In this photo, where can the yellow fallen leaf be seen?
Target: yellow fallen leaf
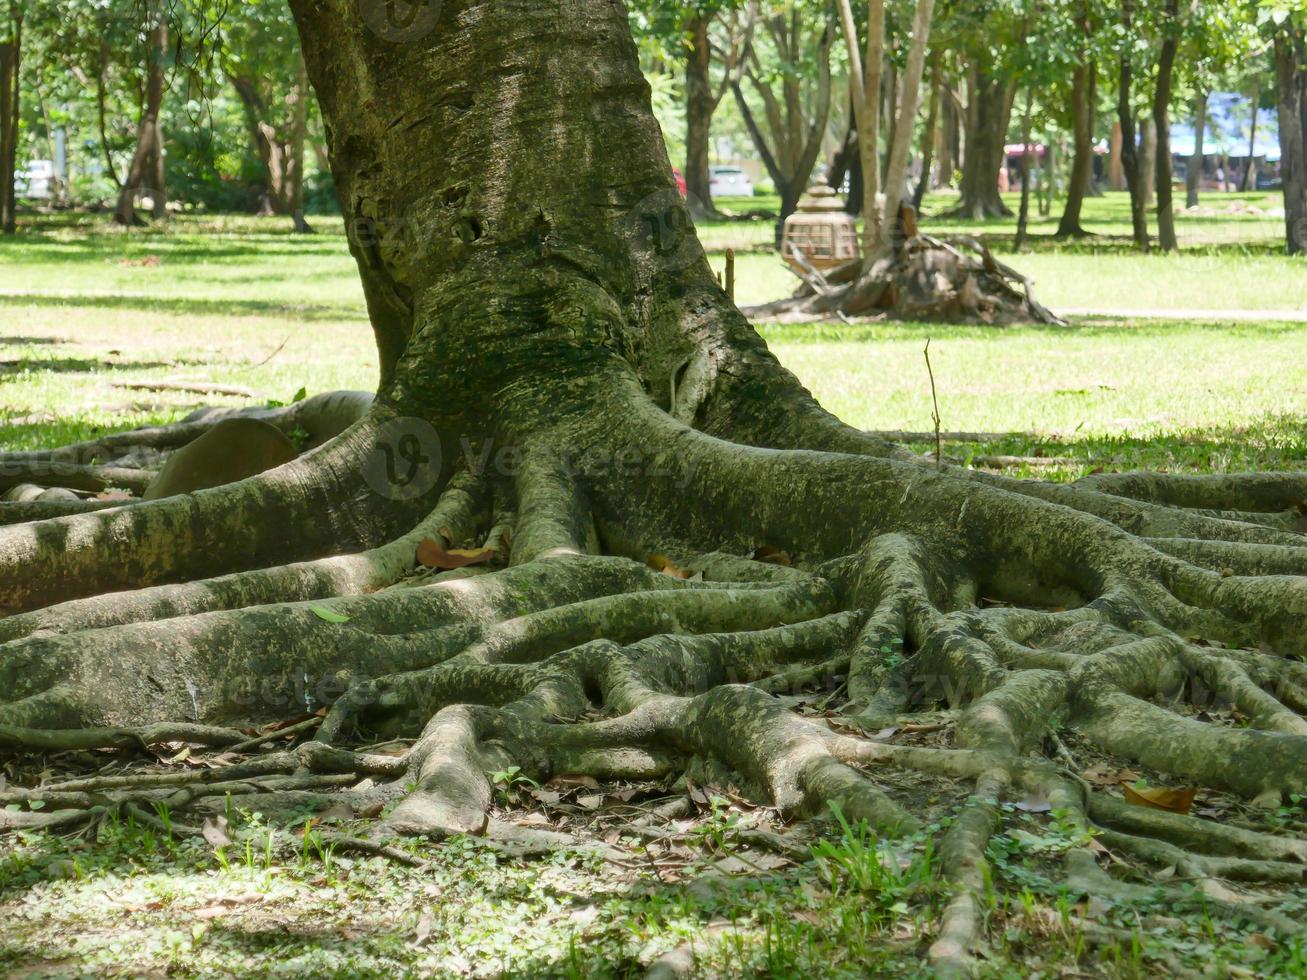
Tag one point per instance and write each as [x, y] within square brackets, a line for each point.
[1161, 798]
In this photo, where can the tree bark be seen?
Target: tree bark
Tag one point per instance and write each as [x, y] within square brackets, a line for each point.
[1291, 94]
[1115, 170]
[148, 133]
[1166, 239]
[1194, 177]
[989, 108]
[700, 105]
[929, 135]
[1027, 151]
[1083, 160]
[1249, 177]
[950, 137]
[10, 72]
[905, 122]
[1148, 157]
[1132, 160]
[866, 86]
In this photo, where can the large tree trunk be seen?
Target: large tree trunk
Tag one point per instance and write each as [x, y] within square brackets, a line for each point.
[989, 108]
[1082, 95]
[10, 65]
[564, 381]
[700, 105]
[148, 133]
[1291, 92]
[1166, 239]
[1132, 162]
[1194, 177]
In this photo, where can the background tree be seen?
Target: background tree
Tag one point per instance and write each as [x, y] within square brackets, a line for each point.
[147, 167]
[11, 45]
[1081, 21]
[1288, 25]
[261, 58]
[987, 37]
[1171, 27]
[1133, 50]
[788, 68]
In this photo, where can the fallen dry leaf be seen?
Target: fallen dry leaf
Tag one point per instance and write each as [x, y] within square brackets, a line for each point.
[433, 555]
[1160, 798]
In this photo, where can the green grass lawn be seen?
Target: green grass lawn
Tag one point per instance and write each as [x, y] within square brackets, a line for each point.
[239, 300]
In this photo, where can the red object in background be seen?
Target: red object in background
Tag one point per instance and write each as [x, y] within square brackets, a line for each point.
[680, 182]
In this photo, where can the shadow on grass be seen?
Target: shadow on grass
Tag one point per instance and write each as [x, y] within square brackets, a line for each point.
[193, 306]
[1275, 442]
[74, 365]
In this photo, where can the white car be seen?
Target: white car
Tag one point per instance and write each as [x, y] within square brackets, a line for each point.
[729, 182]
[37, 181]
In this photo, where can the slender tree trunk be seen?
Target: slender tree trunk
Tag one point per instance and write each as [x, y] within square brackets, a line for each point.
[1148, 158]
[699, 107]
[1291, 94]
[1027, 151]
[950, 137]
[1248, 180]
[1083, 159]
[1132, 160]
[930, 135]
[10, 73]
[1046, 185]
[1115, 171]
[847, 164]
[148, 132]
[1194, 177]
[101, 117]
[904, 124]
[866, 105]
[158, 171]
[1166, 239]
[989, 107]
[299, 127]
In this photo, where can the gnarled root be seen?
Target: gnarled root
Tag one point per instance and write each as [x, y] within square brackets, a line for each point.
[1150, 622]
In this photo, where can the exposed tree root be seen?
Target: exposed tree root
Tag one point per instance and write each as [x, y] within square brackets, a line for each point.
[574, 663]
[1120, 608]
